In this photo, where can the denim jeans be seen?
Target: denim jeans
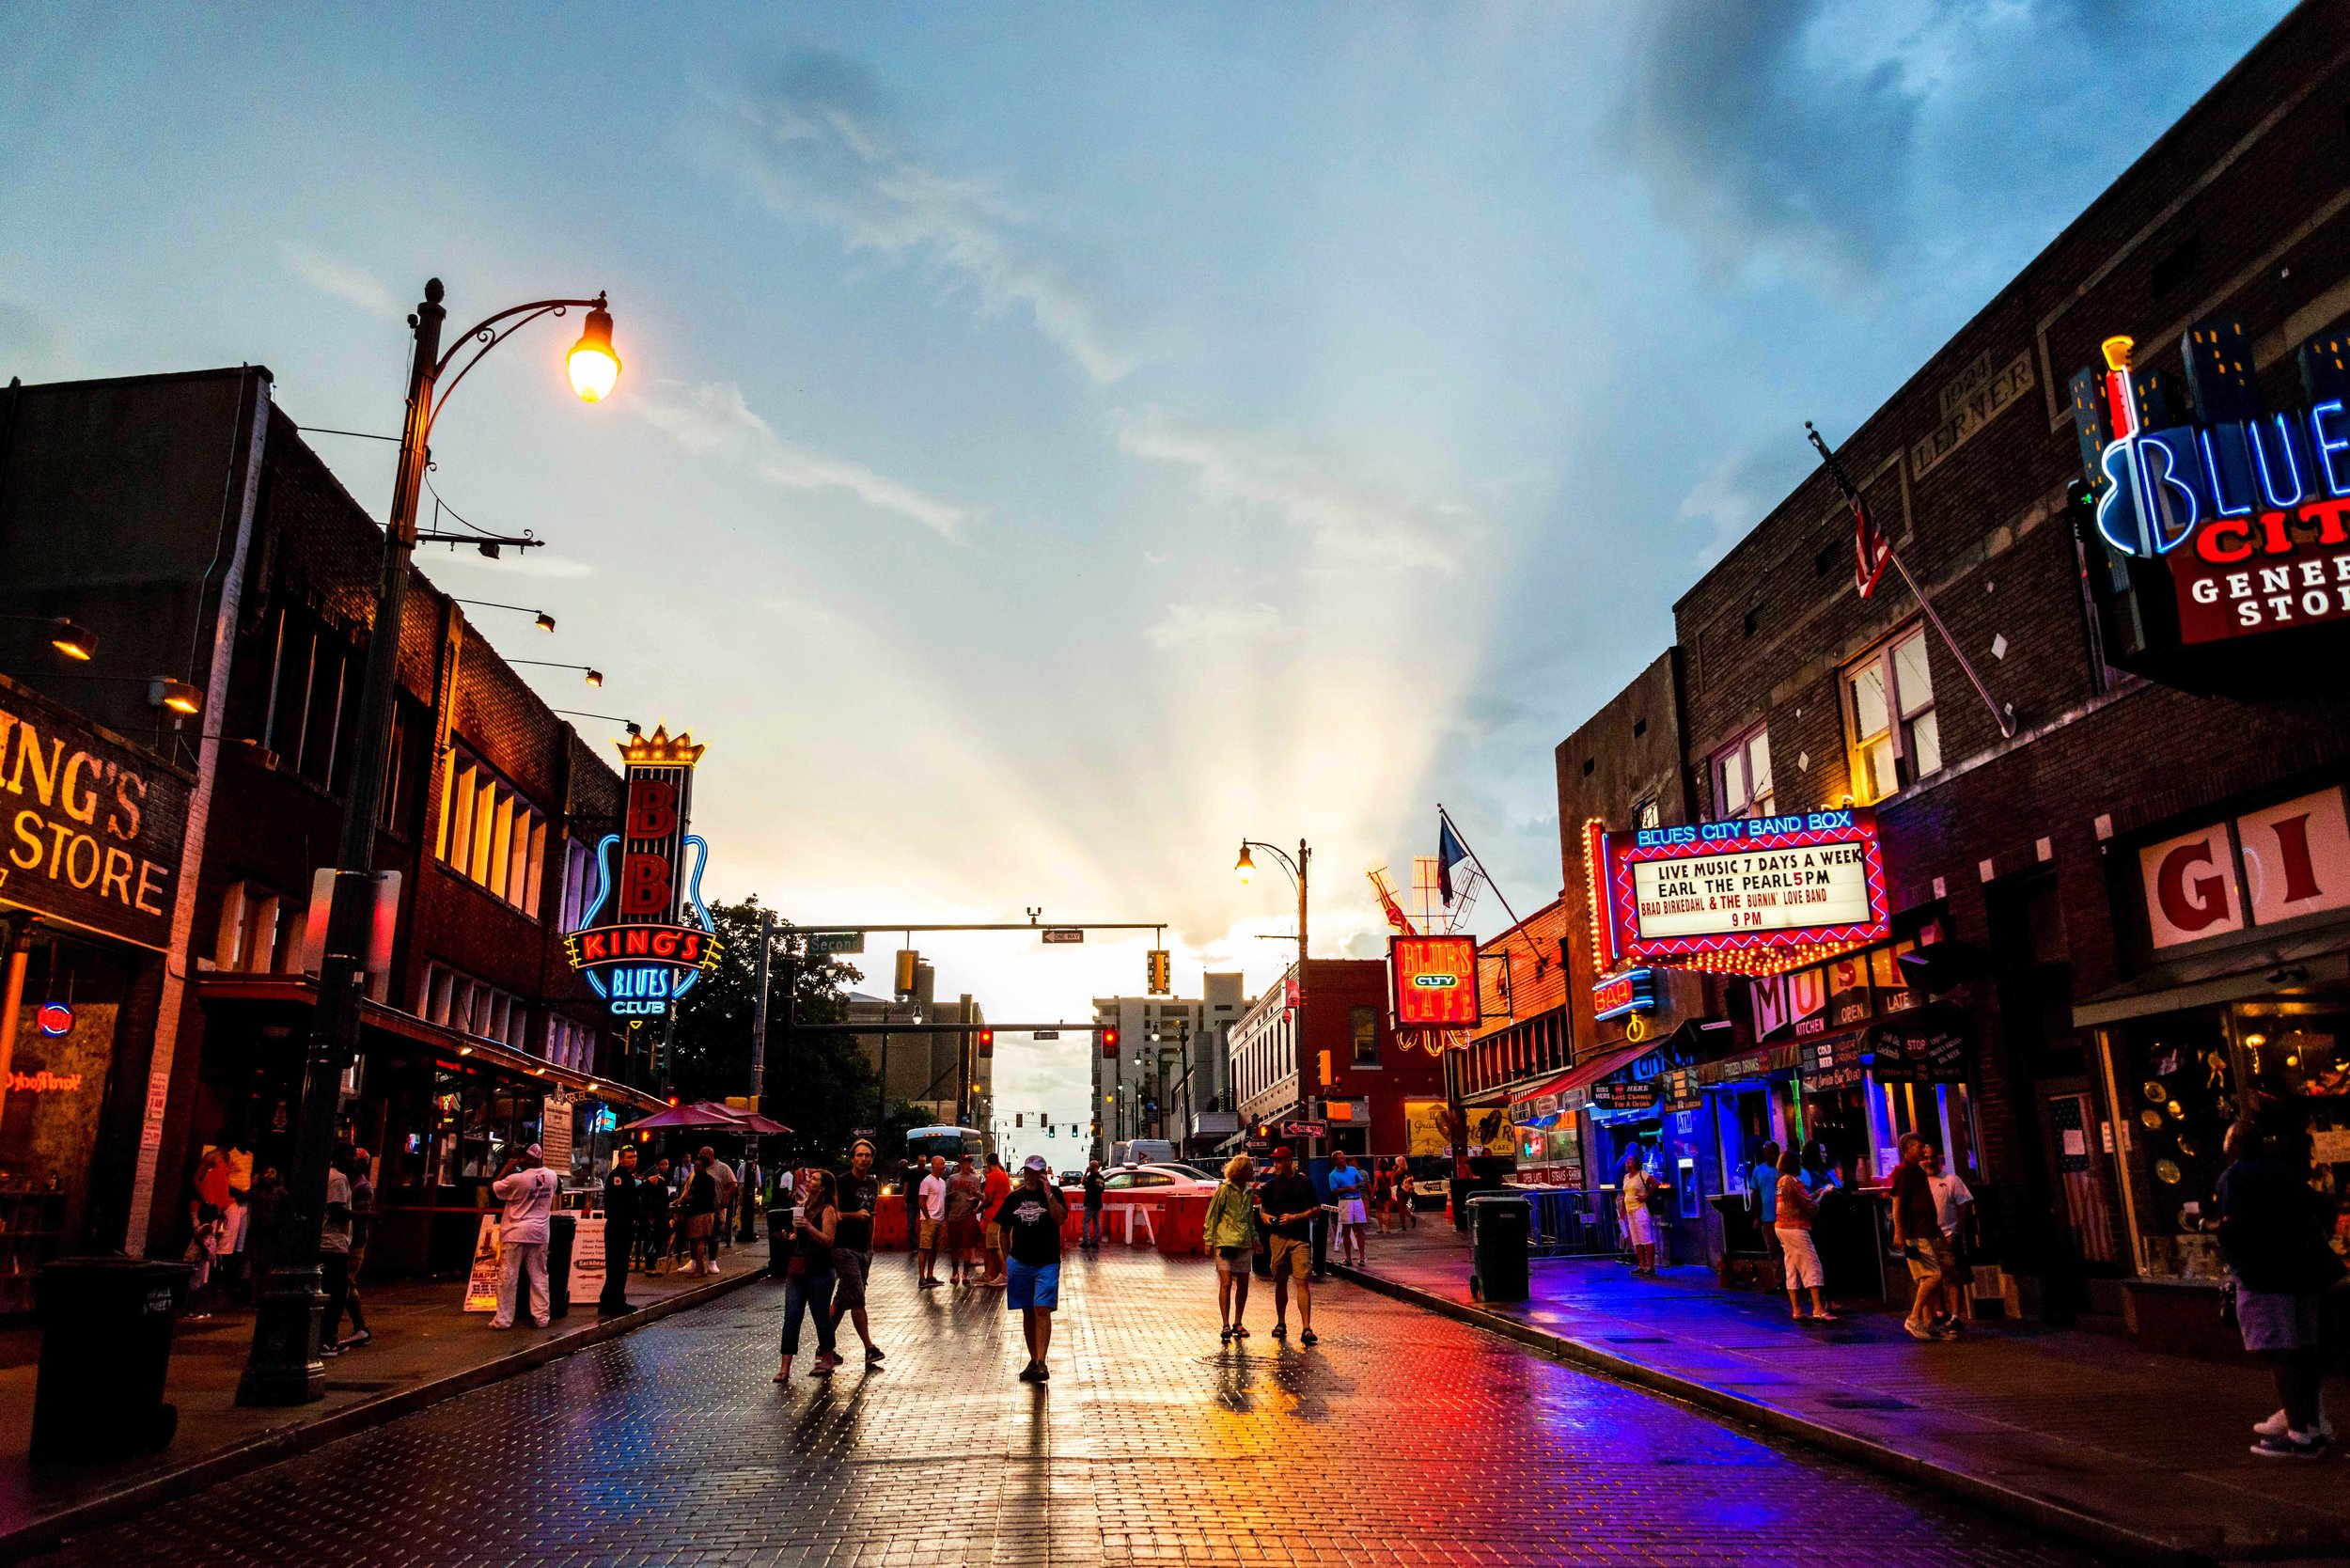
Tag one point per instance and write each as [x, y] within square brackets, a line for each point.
[807, 1295]
[1092, 1233]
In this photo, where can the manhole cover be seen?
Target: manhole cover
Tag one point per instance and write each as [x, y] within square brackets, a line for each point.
[1867, 1401]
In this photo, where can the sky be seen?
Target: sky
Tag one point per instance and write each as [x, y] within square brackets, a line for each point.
[1057, 440]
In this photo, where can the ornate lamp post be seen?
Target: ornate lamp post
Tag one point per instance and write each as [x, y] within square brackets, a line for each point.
[1245, 868]
[284, 1367]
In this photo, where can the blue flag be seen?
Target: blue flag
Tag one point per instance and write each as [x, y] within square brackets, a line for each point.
[1450, 851]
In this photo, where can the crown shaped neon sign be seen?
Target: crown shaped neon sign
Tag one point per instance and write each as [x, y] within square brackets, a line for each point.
[660, 749]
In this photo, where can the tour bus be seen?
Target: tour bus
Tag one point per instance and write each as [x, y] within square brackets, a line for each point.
[952, 1142]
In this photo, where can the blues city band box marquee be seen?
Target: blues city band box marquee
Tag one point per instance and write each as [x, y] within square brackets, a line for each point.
[647, 935]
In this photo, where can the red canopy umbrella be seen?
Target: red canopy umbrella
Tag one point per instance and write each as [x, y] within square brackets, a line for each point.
[710, 1115]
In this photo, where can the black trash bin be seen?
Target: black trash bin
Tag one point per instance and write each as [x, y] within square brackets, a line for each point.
[562, 1231]
[106, 1347]
[1500, 1227]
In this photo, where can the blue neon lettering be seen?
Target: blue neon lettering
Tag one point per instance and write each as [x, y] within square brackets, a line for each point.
[2257, 432]
[2121, 472]
[2337, 481]
[2169, 493]
[2232, 437]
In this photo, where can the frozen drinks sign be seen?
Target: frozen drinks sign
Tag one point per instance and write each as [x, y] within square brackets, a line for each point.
[1752, 896]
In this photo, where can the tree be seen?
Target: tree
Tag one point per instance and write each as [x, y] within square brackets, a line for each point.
[818, 1083]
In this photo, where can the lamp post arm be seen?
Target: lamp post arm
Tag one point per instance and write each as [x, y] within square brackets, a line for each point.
[489, 334]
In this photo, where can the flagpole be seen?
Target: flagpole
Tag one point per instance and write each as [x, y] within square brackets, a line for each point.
[2003, 713]
[1515, 924]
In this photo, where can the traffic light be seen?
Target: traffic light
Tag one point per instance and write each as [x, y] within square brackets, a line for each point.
[987, 1043]
[1109, 1042]
[1161, 972]
[907, 958]
[2080, 511]
[1019, 1119]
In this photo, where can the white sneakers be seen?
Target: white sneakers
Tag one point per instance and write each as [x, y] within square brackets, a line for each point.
[2277, 1426]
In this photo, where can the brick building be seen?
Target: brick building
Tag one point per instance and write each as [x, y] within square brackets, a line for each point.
[184, 521]
[1324, 1047]
[2120, 881]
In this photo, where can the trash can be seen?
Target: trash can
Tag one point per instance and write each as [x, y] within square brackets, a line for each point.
[106, 1347]
[1499, 1226]
[562, 1231]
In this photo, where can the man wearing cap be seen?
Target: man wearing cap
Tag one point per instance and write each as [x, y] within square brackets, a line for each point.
[1289, 1204]
[527, 1188]
[1031, 1218]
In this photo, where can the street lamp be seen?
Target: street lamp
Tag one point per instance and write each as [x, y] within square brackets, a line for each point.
[545, 621]
[1245, 867]
[69, 638]
[594, 676]
[284, 1367]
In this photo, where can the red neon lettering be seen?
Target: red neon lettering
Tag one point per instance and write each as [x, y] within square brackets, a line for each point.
[665, 944]
[2190, 906]
[2274, 539]
[651, 809]
[2327, 515]
[2293, 848]
[636, 944]
[645, 885]
[592, 946]
[2209, 545]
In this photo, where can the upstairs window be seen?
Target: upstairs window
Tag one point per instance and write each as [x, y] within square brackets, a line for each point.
[490, 834]
[1888, 705]
[1364, 1023]
[1742, 775]
[473, 1006]
[579, 883]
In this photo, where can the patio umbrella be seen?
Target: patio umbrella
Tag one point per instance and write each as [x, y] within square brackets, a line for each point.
[700, 1114]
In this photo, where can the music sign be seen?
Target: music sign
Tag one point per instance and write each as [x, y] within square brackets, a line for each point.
[1434, 979]
[1750, 897]
[648, 936]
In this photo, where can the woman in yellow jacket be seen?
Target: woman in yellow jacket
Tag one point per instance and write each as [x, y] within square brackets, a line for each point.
[1232, 1237]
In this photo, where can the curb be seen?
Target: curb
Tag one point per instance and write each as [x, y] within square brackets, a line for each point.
[2105, 1535]
[255, 1453]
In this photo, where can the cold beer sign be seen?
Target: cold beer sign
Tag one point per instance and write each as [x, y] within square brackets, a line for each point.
[1753, 897]
[648, 935]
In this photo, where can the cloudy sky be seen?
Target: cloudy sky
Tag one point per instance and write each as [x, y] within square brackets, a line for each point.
[1059, 440]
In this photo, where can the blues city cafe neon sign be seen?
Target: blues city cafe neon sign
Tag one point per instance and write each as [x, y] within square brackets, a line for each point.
[648, 935]
[2248, 507]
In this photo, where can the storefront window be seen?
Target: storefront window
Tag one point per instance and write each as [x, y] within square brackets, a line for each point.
[2300, 1055]
[56, 1086]
[2178, 1091]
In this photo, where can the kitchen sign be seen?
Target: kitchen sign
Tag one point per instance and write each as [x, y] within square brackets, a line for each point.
[90, 826]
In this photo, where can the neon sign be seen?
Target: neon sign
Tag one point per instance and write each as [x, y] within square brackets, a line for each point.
[54, 1019]
[1755, 897]
[1632, 991]
[2248, 508]
[648, 935]
[1434, 981]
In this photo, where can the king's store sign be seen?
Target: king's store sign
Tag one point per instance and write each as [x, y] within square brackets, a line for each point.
[2263, 867]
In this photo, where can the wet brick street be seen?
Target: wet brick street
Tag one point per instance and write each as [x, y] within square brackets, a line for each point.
[1402, 1438]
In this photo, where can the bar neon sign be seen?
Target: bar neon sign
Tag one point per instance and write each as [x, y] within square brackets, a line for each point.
[1632, 991]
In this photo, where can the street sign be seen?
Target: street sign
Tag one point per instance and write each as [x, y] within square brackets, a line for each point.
[1064, 933]
[860, 1131]
[1305, 1129]
[826, 943]
[1045, 1034]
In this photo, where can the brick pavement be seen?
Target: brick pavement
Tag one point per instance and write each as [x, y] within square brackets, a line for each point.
[2074, 1430]
[1402, 1438]
[425, 1348]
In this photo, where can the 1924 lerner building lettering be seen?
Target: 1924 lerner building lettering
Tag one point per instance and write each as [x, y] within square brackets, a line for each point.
[1170, 529]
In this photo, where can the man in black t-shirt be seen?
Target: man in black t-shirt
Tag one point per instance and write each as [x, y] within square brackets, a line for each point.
[1091, 1237]
[853, 1244]
[1289, 1204]
[1031, 1218]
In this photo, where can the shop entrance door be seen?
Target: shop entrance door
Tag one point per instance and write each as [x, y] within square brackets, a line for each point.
[2077, 1157]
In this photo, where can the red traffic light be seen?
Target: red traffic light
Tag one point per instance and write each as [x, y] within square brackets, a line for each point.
[987, 1043]
[1109, 1042]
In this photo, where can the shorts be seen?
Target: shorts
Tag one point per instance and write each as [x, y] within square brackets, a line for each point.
[848, 1278]
[697, 1227]
[1351, 1212]
[2272, 1320]
[1639, 1227]
[963, 1235]
[1233, 1254]
[928, 1233]
[1933, 1260]
[1295, 1256]
[994, 1238]
[1801, 1258]
[1031, 1285]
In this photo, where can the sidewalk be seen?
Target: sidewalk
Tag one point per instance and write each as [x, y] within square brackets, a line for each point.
[425, 1350]
[2141, 1454]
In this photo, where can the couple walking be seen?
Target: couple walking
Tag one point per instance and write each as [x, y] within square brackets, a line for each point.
[1283, 1210]
[830, 1259]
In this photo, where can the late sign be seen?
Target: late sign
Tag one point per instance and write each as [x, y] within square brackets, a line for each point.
[1768, 887]
[1435, 980]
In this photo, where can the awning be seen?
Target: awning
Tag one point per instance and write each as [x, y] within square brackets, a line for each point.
[475, 1050]
[1601, 1066]
[2280, 966]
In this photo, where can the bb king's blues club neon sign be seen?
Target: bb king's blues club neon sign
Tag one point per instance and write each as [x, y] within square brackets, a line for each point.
[2249, 508]
[648, 936]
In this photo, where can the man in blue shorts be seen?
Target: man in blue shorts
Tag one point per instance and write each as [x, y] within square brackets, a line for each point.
[1031, 1216]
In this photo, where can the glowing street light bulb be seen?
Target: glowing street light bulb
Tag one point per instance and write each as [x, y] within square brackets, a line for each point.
[1247, 866]
[593, 365]
[74, 641]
